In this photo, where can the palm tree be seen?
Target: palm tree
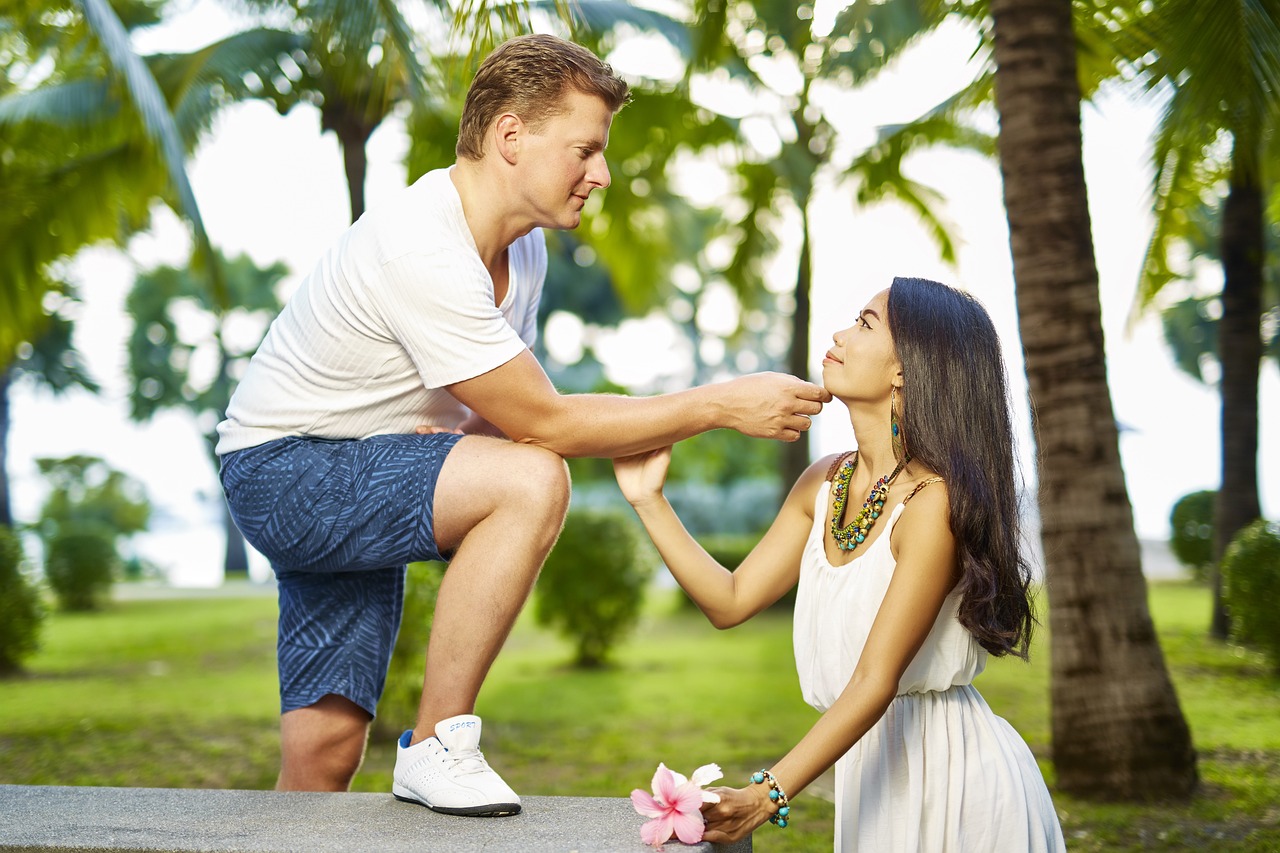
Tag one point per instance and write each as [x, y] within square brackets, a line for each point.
[360, 62]
[168, 368]
[743, 39]
[85, 155]
[1118, 730]
[1220, 63]
[51, 361]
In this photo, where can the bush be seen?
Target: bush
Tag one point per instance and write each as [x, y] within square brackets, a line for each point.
[21, 611]
[81, 566]
[1191, 523]
[398, 707]
[1251, 587]
[594, 580]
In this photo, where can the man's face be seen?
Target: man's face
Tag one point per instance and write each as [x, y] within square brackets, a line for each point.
[563, 161]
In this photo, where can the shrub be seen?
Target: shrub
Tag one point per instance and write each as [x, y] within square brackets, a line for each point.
[399, 704]
[1191, 540]
[21, 611]
[1251, 587]
[81, 566]
[593, 583]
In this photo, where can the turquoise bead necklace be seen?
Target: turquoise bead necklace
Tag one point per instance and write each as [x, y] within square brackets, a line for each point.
[855, 533]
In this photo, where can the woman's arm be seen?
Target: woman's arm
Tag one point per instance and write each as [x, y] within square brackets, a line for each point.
[925, 574]
[727, 598]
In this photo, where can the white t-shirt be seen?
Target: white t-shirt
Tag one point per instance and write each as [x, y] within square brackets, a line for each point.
[398, 308]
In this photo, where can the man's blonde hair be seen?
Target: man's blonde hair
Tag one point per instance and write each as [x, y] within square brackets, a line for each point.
[529, 76]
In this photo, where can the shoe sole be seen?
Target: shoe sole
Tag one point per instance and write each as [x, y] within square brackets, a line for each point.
[490, 810]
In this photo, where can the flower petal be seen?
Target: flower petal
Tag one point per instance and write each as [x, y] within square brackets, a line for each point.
[687, 799]
[664, 786]
[657, 831]
[689, 827]
[706, 774]
[710, 797]
[647, 805]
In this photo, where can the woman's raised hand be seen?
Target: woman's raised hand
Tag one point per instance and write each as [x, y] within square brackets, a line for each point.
[640, 477]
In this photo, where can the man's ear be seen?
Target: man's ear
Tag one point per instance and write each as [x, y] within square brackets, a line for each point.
[507, 131]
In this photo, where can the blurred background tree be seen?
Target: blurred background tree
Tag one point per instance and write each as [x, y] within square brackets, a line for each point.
[90, 511]
[186, 352]
[1219, 67]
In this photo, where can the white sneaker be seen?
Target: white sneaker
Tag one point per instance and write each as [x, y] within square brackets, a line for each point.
[448, 774]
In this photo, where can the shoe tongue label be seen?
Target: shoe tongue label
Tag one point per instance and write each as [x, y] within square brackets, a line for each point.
[461, 732]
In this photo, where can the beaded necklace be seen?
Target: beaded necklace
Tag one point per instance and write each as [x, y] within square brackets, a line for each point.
[851, 536]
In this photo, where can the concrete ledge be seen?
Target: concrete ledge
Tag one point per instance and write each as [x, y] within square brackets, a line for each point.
[174, 820]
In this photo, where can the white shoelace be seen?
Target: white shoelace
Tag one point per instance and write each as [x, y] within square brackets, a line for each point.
[465, 761]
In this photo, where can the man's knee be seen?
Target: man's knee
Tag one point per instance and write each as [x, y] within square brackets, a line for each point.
[545, 481]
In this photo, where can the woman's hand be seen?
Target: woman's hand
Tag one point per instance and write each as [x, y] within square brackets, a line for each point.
[640, 477]
[737, 815]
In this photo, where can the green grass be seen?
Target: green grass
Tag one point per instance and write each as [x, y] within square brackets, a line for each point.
[181, 693]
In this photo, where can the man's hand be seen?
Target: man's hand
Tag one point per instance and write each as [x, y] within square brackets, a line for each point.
[472, 425]
[773, 405]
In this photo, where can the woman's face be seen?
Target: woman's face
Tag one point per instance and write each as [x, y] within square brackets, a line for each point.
[863, 365]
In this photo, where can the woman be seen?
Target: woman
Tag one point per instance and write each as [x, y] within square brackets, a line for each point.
[901, 596]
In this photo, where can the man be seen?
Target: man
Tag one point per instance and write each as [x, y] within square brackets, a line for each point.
[394, 413]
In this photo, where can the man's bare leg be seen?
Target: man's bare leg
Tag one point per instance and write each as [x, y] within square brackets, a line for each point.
[500, 506]
[322, 745]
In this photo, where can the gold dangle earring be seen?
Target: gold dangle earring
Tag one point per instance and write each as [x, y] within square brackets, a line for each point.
[899, 437]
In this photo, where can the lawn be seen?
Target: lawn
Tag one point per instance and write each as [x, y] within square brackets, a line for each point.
[181, 693]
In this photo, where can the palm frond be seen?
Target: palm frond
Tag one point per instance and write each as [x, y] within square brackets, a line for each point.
[159, 122]
[75, 104]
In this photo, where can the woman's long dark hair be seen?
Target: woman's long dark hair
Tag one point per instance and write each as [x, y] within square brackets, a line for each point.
[955, 416]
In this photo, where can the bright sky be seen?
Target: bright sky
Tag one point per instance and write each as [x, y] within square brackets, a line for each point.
[272, 187]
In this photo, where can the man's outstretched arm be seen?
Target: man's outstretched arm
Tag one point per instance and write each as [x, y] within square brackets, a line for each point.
[520, 400]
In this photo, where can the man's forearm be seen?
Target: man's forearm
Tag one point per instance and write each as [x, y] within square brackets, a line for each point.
[605, 425]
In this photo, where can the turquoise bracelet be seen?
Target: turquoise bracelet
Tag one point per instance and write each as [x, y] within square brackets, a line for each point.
[776, 795]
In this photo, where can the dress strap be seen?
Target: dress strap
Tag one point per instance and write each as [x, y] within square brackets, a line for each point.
[920, 486]
[835, 466]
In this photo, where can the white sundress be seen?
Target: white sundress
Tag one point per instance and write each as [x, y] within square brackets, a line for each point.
[939, 772]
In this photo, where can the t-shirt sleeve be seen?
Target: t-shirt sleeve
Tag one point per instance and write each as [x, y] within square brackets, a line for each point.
[440, 308]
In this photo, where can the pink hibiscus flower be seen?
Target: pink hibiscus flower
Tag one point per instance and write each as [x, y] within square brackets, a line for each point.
[676, 805]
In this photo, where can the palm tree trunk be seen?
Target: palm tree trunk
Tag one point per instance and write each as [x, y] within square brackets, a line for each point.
[1240, 354]
[355, 165]
[1118, 731]
[795, 456]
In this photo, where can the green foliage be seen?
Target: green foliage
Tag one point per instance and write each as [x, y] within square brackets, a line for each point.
[1251, 587]
[80, 566]
[21, 611]
[717, 691]
[161, 355]
[399, 704]
[1191, 523]
[592, 585]
[87, 492]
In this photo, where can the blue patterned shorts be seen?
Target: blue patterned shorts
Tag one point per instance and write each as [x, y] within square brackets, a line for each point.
[338, 519]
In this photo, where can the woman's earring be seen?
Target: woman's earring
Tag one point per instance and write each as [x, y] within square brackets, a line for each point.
[899, 437]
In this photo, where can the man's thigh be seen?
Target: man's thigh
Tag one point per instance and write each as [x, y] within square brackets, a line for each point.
[330, 506]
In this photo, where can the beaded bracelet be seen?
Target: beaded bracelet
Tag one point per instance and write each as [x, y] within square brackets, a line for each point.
[776, 794]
